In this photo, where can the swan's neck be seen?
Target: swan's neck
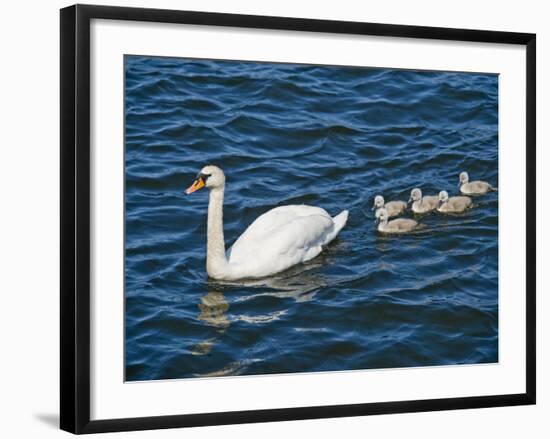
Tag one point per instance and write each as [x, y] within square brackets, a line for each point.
[382, 225]
[216, 263]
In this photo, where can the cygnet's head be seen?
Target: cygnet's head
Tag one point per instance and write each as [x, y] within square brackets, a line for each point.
[382, 215]
[416, 194]
[210, 177]
[443, 197]
[463, 178]
[378, 202]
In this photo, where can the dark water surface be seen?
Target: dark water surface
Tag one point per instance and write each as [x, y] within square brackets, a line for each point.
[332, 137]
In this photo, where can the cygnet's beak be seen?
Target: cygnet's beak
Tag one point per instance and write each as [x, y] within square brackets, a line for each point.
[197, 184]
[410, 201]
[373, 207]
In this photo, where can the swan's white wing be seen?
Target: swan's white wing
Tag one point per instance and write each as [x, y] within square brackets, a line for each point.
[280, 238]
[273, 220]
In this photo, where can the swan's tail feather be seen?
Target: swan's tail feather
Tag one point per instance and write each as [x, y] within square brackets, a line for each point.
[340, 221]
[492, 188]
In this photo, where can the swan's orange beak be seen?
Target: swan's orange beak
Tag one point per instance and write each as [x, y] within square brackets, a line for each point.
[197, 184]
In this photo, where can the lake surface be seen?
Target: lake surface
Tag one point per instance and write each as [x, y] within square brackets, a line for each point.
[332, 137]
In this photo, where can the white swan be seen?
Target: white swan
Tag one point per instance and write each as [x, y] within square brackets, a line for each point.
[394, 208]
[468, 187]
[422, 204]
[399, 225]
[275, 241]
[453, 204]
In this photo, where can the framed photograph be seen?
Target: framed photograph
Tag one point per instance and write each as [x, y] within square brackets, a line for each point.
[268, 218]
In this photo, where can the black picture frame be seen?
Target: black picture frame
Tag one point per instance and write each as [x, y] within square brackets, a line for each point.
[75, 217]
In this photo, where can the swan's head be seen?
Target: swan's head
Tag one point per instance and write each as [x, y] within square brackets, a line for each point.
[378, 202]
[382, 215]
[416, 194]
[443, 197]
[210, 176]
[463, 178]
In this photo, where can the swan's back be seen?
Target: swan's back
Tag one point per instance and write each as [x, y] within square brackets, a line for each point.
[284, 236]
[456, 204]
[277, 217]
[395, 208]
[426, 204]
[476, 188]
[399, 225]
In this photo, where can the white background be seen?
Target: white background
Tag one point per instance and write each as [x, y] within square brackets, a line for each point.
[30, 205]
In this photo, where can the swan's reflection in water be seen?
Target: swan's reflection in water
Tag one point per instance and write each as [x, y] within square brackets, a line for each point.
[212, 308]
[300, 283]
[213, 312]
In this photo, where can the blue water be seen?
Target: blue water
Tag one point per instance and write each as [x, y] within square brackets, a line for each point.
[332, 137]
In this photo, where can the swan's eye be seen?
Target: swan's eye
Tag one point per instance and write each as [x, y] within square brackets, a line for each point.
[203, 177]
